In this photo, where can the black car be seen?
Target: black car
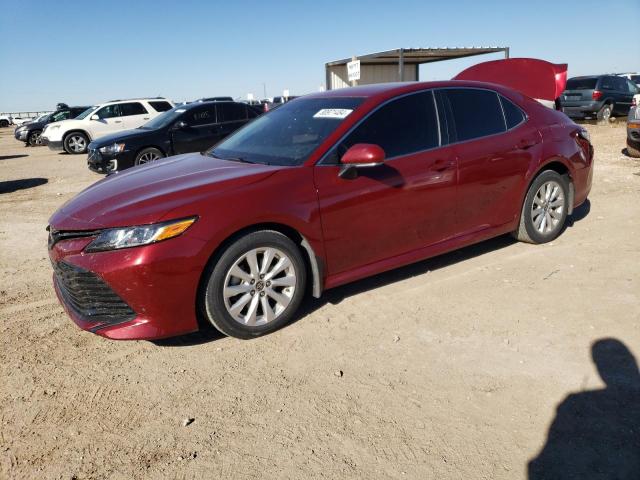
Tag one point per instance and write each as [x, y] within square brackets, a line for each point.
[30, 132]
[604, 96]
[187, 128]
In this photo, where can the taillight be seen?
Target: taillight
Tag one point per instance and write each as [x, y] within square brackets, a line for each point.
[633, 102]
[596, 95]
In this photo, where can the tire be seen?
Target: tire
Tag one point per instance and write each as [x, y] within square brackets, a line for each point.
[546, 222]
[4, 123]
[605, 113]
[228, 301]
[76, 143]
[148, 155]
[633, 150]
[34, 138]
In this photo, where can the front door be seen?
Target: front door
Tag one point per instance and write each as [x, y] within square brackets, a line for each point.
[403, 205]
[109, 121]
[200, 133]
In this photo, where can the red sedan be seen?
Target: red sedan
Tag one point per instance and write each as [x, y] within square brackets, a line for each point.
[325, 190]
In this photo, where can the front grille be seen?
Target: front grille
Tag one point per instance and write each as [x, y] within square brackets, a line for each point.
[55, 236]
[635, 135]
[89, 296]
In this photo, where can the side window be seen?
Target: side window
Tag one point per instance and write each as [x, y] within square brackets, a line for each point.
[60, 116]
[403, 126]
[201, 116]
[161, 106]
[231, 112]
[606, 83]
[512, 113]
[476, 113]
[133, 108]
[110, 111]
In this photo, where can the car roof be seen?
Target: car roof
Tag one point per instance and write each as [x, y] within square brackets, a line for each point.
[385, 90]
[142, 99]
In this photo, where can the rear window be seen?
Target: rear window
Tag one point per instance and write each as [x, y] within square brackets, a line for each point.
[133, 108]
[635, 78]
[582, 83]
[231, 112]
[512, 113]
[161, 106]
[476, 113]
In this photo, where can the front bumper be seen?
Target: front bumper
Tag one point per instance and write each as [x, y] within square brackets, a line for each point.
[158, 283]
[105, 163]
[53, 145]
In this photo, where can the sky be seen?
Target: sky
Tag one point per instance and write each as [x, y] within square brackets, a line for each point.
[86, 52]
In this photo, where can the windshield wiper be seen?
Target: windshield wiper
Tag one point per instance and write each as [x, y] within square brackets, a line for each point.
[231, 159]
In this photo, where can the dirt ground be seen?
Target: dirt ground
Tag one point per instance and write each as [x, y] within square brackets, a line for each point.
[452, 368]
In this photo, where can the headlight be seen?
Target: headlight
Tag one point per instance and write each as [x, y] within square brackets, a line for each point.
[584, 133]
[112, 149]
[115, 238]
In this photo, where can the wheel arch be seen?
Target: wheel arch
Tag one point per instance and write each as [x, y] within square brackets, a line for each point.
[157, 147]
[76, 130]
[314, 264]
[559, 166]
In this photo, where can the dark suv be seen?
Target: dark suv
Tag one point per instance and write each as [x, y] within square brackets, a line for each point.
[604, 96]
[30, 132]
[184, 129]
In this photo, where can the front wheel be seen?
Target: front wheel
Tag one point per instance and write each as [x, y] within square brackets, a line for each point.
[76, 143]
[148, 155]
[545, 208]
[256, 285]
[34, 138]
[4, 123]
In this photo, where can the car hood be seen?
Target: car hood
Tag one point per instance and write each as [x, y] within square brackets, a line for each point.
[32, 125]
[69, 124]
[147, 193]
[120, 137]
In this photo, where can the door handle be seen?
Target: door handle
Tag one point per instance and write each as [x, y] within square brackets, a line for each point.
[145, 118]
[526, 144]
[117, 121]
[442, 165]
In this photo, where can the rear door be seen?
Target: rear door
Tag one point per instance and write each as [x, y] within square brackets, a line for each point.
[403, 205]
[231, 116]
[494, 144]
[134, 115]
[200, 133]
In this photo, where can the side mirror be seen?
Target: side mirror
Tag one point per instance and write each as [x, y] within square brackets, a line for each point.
[94, 117]
[180, 125]
[361, 155]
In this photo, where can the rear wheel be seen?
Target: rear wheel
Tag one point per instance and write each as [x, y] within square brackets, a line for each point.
[545, 208]
[34, 138]
[256, 285]
[605, 112]
[4, 123]
[148, 155]
[76, 142]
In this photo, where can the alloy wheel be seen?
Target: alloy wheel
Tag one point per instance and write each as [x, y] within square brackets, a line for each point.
[148, 157]
[35, 139]
[548, 207]
[259, 286]
[77, 143]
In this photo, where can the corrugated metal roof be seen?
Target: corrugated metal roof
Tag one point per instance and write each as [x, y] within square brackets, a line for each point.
[420, 55]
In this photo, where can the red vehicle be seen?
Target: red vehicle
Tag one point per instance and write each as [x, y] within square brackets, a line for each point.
[325, 190]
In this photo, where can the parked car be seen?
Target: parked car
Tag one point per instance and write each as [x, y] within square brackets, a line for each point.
[30, 132]
[21, 120]
[634, 77]
[602, 95]
[73, 136]
[633, 132]
[5, 121]
[322, 191]
[215, 99]
[189, 128]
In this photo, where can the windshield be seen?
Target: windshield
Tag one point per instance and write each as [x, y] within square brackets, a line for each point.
[86, 113]
[288, 135]
[582, 83]
[164, 119]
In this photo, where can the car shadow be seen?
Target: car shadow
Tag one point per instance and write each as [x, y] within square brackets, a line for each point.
[338, 294]
[596, 433]
[9, 157]
[14, 185]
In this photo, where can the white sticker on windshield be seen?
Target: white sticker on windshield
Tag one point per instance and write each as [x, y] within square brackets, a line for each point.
[333, 113]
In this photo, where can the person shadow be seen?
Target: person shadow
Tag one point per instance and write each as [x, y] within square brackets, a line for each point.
[596, 434]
